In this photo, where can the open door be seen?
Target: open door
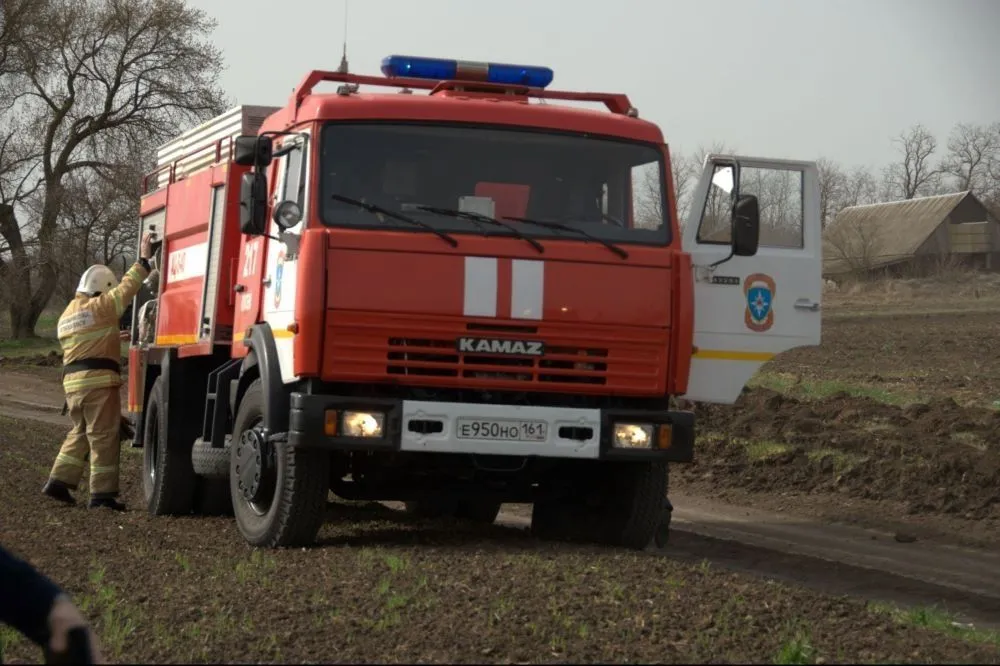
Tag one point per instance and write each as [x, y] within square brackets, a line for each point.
[752, 303]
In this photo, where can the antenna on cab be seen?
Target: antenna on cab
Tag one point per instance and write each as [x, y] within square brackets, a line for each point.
[343, 58]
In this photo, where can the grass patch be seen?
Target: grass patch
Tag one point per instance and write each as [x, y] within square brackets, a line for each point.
[817, 390]
[28, 347]
[9, 637]
[841, 461]
[118, 620]
[796, 650]
[764, 450]
[937, 620]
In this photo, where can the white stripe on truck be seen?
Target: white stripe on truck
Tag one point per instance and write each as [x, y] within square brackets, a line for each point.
[480, 287]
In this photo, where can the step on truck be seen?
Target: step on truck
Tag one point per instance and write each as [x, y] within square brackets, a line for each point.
[453, 287]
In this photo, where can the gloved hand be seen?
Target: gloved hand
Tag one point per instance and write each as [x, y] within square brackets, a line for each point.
[72, 641]
[125, 430]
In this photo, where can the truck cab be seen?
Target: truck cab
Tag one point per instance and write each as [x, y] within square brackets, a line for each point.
[454, 295]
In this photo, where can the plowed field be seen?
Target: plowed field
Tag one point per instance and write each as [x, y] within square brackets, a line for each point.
[380, 588]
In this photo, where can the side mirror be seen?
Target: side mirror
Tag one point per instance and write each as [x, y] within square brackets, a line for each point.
[287, 214]
[746, 226]
[253, 204]
[255, 151]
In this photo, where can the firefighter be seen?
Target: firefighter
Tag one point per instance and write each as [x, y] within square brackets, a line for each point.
[88, 334]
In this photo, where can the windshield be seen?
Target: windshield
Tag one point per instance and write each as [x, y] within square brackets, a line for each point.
[609, 189]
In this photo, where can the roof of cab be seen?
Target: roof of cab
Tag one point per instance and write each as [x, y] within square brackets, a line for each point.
[456, 107]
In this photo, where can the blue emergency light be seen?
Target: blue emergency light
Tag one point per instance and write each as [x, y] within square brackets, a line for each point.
[460, 70]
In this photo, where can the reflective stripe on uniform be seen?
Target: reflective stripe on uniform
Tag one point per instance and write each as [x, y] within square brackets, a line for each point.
[69, 460]
[97, 334]
[105, 380]
[103, 469]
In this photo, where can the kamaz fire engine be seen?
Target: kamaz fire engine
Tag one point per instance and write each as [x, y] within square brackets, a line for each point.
[452, 287]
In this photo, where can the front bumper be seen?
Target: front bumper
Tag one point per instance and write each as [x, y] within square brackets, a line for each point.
[489, 429]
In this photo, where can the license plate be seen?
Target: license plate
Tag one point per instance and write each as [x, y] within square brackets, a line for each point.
[503, 430]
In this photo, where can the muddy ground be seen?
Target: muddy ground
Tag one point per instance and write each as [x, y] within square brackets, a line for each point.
[382, 588]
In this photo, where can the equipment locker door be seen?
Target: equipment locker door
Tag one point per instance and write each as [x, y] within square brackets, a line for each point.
[749, 309]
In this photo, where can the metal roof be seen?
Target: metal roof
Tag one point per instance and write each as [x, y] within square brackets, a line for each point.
[876, 235]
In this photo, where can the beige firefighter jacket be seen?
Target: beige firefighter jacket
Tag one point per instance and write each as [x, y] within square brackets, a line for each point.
[88, 329]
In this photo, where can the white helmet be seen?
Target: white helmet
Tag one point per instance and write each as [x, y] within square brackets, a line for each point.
[96, 280]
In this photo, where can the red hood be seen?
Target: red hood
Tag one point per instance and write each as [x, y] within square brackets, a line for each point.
[541, 289]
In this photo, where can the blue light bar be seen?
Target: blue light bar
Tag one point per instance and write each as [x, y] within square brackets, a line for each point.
[460, 70]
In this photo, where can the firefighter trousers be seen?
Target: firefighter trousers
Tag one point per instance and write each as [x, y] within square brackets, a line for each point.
[96, 416]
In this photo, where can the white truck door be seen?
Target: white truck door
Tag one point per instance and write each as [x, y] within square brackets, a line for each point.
[747, 309]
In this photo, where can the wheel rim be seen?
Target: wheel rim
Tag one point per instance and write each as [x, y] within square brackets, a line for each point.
[154, 445]
[256, 470]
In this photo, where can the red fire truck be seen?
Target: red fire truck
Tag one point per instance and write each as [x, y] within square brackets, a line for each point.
[461, 290]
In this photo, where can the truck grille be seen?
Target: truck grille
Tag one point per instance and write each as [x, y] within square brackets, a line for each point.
[430, 357]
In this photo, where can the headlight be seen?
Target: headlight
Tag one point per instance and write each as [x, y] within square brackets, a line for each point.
[633, 436]
[363, 424]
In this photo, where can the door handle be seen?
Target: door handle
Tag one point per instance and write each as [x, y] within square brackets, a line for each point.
[806, 304]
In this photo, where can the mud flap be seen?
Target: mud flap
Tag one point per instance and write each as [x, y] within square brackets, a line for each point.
[136, 393]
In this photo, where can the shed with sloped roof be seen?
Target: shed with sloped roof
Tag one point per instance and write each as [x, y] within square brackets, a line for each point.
[912, 236]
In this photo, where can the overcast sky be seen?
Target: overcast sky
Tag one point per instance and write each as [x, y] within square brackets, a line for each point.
[778, 78]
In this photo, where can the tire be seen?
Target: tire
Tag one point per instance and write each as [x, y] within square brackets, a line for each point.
[168, 479]
[636, 511]
[295, 482]
[483, 512]
[628, 515]
[210, 462]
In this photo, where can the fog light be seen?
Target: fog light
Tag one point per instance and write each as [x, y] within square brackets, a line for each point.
[330, 423]
[664, 437]
[633, 436]
[363, 424]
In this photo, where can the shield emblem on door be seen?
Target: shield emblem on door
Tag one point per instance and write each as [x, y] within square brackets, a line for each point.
[759, 290]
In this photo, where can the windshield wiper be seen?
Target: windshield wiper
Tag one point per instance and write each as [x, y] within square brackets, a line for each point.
[565, 227]
[372, 208]
[478, 217]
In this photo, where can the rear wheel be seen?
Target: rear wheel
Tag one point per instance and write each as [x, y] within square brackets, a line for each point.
[168, 478]
[278, 493]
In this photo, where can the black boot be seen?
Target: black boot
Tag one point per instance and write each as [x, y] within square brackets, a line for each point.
[58, 490]
[105, 501]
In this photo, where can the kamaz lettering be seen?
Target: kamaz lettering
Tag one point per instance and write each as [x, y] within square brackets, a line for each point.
[501, 346]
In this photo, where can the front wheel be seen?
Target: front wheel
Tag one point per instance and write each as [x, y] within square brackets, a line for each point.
[278, 493]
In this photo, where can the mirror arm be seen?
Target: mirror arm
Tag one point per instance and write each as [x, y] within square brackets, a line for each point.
[732, 253]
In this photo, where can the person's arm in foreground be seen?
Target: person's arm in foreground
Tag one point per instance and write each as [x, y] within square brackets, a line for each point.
[38, 608]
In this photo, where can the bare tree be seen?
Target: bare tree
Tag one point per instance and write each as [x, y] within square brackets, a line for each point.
[96, 78]
[860, 188]
[915, 174]
[832, 184]
[971, 151]
[685, 169]
[853, 244]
